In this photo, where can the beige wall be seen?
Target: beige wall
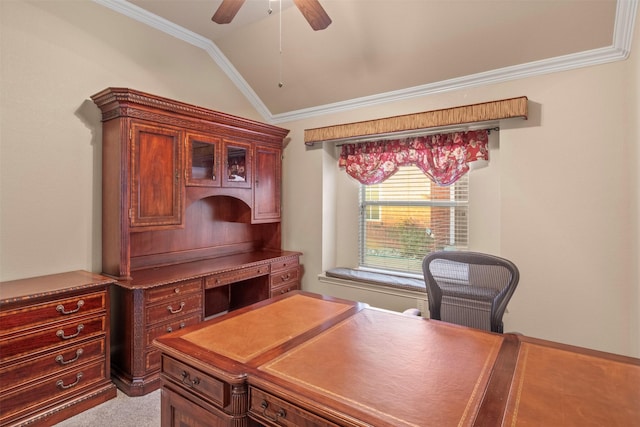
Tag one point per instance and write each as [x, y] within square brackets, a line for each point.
[560, 197]
[561, 202]
[55, 55]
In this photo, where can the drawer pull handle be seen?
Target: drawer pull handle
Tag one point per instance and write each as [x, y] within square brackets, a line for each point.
[61, 334]
[280, 414]
[60, 358]
[172, 311]
[286, 277]
[60, 308]
[60, 384]
[176, 291]
[186, 380]
[170, 329]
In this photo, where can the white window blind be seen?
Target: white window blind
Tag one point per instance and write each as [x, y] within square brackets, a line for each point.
[407, 216]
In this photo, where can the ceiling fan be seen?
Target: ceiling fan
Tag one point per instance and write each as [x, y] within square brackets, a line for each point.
[311, 10]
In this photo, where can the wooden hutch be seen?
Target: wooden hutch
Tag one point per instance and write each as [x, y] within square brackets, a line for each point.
[191, 221]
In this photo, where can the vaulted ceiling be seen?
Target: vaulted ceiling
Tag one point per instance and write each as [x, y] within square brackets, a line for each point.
[377, 50]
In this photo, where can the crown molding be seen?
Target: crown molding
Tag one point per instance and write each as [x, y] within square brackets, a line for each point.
[181, 33]
[619, 50]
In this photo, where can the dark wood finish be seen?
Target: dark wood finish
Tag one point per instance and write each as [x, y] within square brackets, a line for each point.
[203, 161]
[156, 180]
[180, 411]
[367, 366]
[54, 336]
[160, 300]
[144, 140]
[187, 232]
[285, 277]
[266, 194]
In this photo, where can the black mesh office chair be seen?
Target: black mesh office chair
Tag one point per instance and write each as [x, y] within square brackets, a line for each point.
[469, 288]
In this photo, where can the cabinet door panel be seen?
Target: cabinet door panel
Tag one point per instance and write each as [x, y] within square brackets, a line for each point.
[266, 188]
[237, 158]
[203, 161]
[156, 185]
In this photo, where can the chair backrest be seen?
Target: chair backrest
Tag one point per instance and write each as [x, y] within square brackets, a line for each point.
[469, 288]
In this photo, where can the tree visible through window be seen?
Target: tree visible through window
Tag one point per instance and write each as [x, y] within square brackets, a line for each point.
[407, 216]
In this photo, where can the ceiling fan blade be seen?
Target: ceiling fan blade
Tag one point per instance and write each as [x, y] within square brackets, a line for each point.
[226, 11]
[313, 13]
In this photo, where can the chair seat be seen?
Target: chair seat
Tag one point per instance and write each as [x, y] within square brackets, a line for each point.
[469, 292]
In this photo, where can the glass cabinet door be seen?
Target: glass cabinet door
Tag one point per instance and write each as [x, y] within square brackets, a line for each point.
[203, 164]
[238, 165]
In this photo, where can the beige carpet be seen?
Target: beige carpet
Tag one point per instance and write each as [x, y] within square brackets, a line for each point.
[122, 411]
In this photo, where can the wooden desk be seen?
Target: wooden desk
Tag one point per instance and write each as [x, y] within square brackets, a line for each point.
[352, 365]
[164, 299]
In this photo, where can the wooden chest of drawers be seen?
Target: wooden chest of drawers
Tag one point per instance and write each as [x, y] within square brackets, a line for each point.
[145, 315]
[285, 276]
[54, 347]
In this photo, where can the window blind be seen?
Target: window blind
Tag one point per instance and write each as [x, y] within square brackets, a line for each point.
[407, 216]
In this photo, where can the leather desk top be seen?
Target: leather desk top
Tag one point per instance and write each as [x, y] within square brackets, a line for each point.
[361, 366]
[249, 334]
[554, 386]
[393, 369]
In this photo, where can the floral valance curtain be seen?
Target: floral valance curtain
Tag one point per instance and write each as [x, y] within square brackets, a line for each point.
[443, 158]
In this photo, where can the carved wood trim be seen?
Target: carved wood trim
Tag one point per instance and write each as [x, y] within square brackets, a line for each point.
[124, 102]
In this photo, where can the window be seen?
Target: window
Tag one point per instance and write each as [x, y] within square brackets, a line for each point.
[407, 216]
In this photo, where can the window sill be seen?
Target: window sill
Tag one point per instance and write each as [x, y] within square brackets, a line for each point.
[371, 280]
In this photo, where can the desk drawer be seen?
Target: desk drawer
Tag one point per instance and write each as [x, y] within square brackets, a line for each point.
[174, 290]
[195, 381]
[284, 264]
[236, 276]
[60, 335]
[61, 310]
[285, 277]
[51, 390]
[166, 328]
[291, 286]
[17, 374]
[272, 411]
[174, 308]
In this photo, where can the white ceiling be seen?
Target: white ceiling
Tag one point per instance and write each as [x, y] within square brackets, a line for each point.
[377, 50]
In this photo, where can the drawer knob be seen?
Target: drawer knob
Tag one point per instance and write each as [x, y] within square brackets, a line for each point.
[170, 328]
[280, 414]
[178, 310]
[61, 334]
[176, 291]
[60, 358]
[61, 385]
[285, 277]
[186, 380]
[60, 308]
